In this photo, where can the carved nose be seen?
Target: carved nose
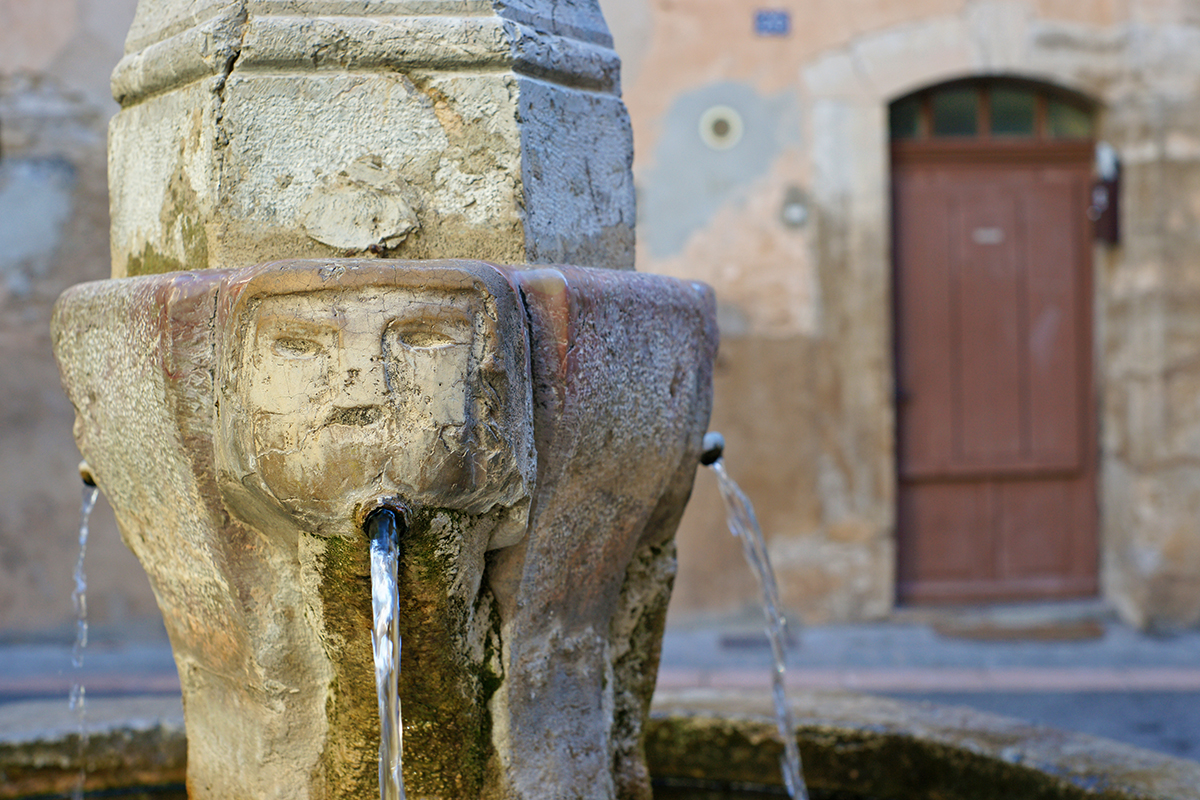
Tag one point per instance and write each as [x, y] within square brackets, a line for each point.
[359, 415]
[361, 380]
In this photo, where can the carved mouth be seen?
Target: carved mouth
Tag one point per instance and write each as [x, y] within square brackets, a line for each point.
[358, 416]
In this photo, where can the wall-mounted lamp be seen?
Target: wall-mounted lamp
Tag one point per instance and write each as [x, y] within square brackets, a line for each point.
[1104, 211]
[794, 211]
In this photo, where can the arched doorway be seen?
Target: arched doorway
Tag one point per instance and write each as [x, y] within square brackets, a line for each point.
[996, 425]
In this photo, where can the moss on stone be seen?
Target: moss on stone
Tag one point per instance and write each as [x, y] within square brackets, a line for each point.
[351, 710]
[151, 262]
[443, 692]
[866, 763]
[180, 216]
[195, 244]
[439, 687]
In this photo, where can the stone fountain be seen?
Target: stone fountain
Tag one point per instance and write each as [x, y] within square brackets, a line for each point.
[269, 365]
[537, 428]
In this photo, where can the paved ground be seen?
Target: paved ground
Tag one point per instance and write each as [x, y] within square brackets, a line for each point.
[1069, 666]
[1165, 721]
[1066, 666]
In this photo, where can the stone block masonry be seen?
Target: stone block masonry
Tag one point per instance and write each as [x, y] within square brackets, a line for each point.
[259, 130]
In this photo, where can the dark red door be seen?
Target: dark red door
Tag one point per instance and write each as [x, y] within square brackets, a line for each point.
[996, 436]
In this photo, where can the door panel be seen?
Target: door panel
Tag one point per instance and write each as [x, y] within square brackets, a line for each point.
[923, 302]
[995, 429]
[954, 518]
[986, 302]
[1055, 342]
[1035, 528]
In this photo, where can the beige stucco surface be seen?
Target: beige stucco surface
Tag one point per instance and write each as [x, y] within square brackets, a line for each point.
[803, 381]
[55, 59]
[804, 378]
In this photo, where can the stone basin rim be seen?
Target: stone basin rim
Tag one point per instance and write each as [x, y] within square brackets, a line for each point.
[845, 725]
[863, 743]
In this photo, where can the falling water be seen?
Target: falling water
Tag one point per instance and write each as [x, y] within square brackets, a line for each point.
[79, 599]
[383, 529]
[744, 525]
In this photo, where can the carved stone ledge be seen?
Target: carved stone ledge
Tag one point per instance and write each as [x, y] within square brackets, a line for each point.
[251, 131]
[316, 36]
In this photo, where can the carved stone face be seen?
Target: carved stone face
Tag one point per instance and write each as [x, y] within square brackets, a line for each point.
[368, 390]
[333, 399]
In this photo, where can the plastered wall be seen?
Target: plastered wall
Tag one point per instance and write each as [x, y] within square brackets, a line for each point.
[804, 388]
[804, 378]
[55, 59]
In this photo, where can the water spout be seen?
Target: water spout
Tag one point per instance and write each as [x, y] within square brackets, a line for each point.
[744, 525]
[712, 448]
[79, 600]
[384, 527]
[85, 474]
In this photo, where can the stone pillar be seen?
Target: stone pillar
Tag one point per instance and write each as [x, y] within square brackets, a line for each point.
[253, 130]
[541, 427]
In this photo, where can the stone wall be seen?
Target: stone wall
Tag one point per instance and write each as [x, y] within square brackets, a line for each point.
[55, 58]
[803, 381]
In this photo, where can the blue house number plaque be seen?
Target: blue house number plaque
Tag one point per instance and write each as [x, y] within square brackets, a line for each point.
[772, 22]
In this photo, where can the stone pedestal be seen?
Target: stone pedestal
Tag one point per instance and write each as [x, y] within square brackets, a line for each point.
[540, 428]
[263, 129]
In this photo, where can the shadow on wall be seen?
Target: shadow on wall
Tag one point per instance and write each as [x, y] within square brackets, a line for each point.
[35, 202]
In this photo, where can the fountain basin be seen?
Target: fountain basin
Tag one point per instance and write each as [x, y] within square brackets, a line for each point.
[700, 743]
[870, 748]
[541, 427]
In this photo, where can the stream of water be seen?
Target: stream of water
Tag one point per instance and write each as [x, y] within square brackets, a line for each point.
[78, 703]
[739, 514]
[383, 529]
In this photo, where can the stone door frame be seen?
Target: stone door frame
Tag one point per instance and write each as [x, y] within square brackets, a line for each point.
[848, 92]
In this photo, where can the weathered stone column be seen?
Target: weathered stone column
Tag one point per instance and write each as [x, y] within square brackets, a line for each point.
[538, 428]
[253, 130]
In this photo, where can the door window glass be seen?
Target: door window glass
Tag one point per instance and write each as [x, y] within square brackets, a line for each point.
[904, 118]
[1014, 112]
[1065, 121]
[956, 112]
[990, 108]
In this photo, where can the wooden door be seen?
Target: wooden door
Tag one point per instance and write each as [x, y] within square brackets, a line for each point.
[996, 437]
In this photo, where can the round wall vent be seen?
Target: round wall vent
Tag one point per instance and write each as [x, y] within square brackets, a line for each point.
[721, 127]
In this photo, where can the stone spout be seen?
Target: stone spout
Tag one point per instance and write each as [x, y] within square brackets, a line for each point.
[540, 428]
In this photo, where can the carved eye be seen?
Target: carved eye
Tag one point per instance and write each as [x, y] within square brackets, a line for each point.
[425, 338]
[431, 333]
[296, 347]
